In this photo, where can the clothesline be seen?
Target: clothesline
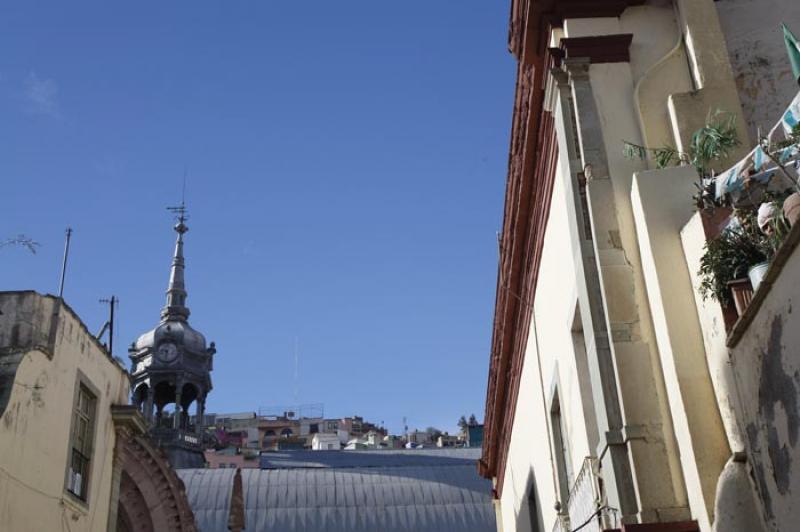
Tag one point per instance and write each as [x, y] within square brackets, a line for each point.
[757, 165]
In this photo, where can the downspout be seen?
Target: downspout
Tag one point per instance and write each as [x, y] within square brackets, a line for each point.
[646, 74]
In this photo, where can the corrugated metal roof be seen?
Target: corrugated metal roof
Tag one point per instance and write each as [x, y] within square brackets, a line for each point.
[351, 491]
[209, 494]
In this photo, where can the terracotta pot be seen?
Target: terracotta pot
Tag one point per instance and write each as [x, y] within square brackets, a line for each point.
[714, 222]
[742, 292]
[791, 208]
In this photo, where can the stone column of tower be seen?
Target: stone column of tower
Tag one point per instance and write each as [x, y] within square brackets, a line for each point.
[171, 365]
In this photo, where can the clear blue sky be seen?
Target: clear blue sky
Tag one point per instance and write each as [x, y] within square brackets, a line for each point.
[346, 168]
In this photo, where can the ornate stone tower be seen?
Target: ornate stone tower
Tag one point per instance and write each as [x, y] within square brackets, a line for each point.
[172, 365]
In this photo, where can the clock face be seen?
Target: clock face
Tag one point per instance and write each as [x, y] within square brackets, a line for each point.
[167, 352]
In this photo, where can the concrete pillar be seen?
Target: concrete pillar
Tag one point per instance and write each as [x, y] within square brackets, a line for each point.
[613, 451]
[148, 405]
[633, 372]
[178, 409]
[201, 412]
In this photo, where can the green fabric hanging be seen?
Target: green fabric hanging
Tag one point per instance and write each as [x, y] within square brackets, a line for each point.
[793, 49]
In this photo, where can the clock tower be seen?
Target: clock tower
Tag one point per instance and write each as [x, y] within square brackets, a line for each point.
[171, 365]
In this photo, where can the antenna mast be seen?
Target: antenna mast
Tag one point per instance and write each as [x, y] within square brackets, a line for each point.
[64, 264]
[113, 302]
[296, 370]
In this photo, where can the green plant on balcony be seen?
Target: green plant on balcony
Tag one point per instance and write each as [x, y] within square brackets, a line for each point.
[730, 255]
[713, 142]
[748, 242]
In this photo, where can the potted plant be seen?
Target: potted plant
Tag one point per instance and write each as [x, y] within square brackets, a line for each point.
[768, 218]
[728, 259]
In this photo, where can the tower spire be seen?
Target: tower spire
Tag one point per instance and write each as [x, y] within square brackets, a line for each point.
[175, 308]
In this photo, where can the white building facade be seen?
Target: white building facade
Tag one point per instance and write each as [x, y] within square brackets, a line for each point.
[610, 402]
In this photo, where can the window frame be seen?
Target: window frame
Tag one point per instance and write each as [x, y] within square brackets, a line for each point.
[83, 387]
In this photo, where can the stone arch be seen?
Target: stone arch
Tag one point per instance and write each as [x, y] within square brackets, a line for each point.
[151, 496]
[133, 514]
[189, 393]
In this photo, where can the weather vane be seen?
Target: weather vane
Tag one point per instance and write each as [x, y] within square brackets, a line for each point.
[180, 211]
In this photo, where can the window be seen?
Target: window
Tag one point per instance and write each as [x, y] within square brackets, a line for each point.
[83, 420]
[313, 428]
[563, 464]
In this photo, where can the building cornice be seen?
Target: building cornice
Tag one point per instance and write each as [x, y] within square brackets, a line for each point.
[535, 15]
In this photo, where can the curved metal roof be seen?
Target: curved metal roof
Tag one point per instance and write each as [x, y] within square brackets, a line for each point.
[209, 494]
[350, 491]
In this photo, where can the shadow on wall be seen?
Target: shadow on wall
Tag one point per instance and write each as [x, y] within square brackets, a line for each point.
[531, 513]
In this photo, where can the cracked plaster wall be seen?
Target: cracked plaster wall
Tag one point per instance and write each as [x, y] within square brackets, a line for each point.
[766, 362]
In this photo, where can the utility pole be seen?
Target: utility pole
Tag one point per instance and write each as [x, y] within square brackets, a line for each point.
[64, 263]
[111, 303]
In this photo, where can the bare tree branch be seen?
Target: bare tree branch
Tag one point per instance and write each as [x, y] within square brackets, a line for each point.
[21, 240]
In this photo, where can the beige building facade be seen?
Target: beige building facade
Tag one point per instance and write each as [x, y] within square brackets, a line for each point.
[62, 382]
[612, 400]
[73, 455]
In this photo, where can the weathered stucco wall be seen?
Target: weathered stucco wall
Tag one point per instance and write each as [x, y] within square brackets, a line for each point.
[35, 425]
[766, 362]
[757, 52]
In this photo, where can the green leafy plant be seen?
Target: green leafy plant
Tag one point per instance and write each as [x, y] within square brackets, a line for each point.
[729, 256]
[663, 156]
[713, 142]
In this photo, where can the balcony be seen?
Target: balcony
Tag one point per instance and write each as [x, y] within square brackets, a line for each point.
[585, 508]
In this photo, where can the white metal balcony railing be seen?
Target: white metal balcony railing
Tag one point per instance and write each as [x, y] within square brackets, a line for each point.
[585, 499]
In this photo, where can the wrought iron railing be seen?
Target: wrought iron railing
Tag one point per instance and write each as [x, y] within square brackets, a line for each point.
[585, 505]
[585, 497]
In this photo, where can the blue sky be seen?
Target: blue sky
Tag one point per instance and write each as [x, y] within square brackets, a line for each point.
[346, 165]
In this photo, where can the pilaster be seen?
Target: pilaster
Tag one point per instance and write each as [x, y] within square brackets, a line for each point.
[626, 367]
[612, 449]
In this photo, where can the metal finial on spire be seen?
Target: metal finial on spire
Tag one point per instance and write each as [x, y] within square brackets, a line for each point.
[180, 210]
[175, 308]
